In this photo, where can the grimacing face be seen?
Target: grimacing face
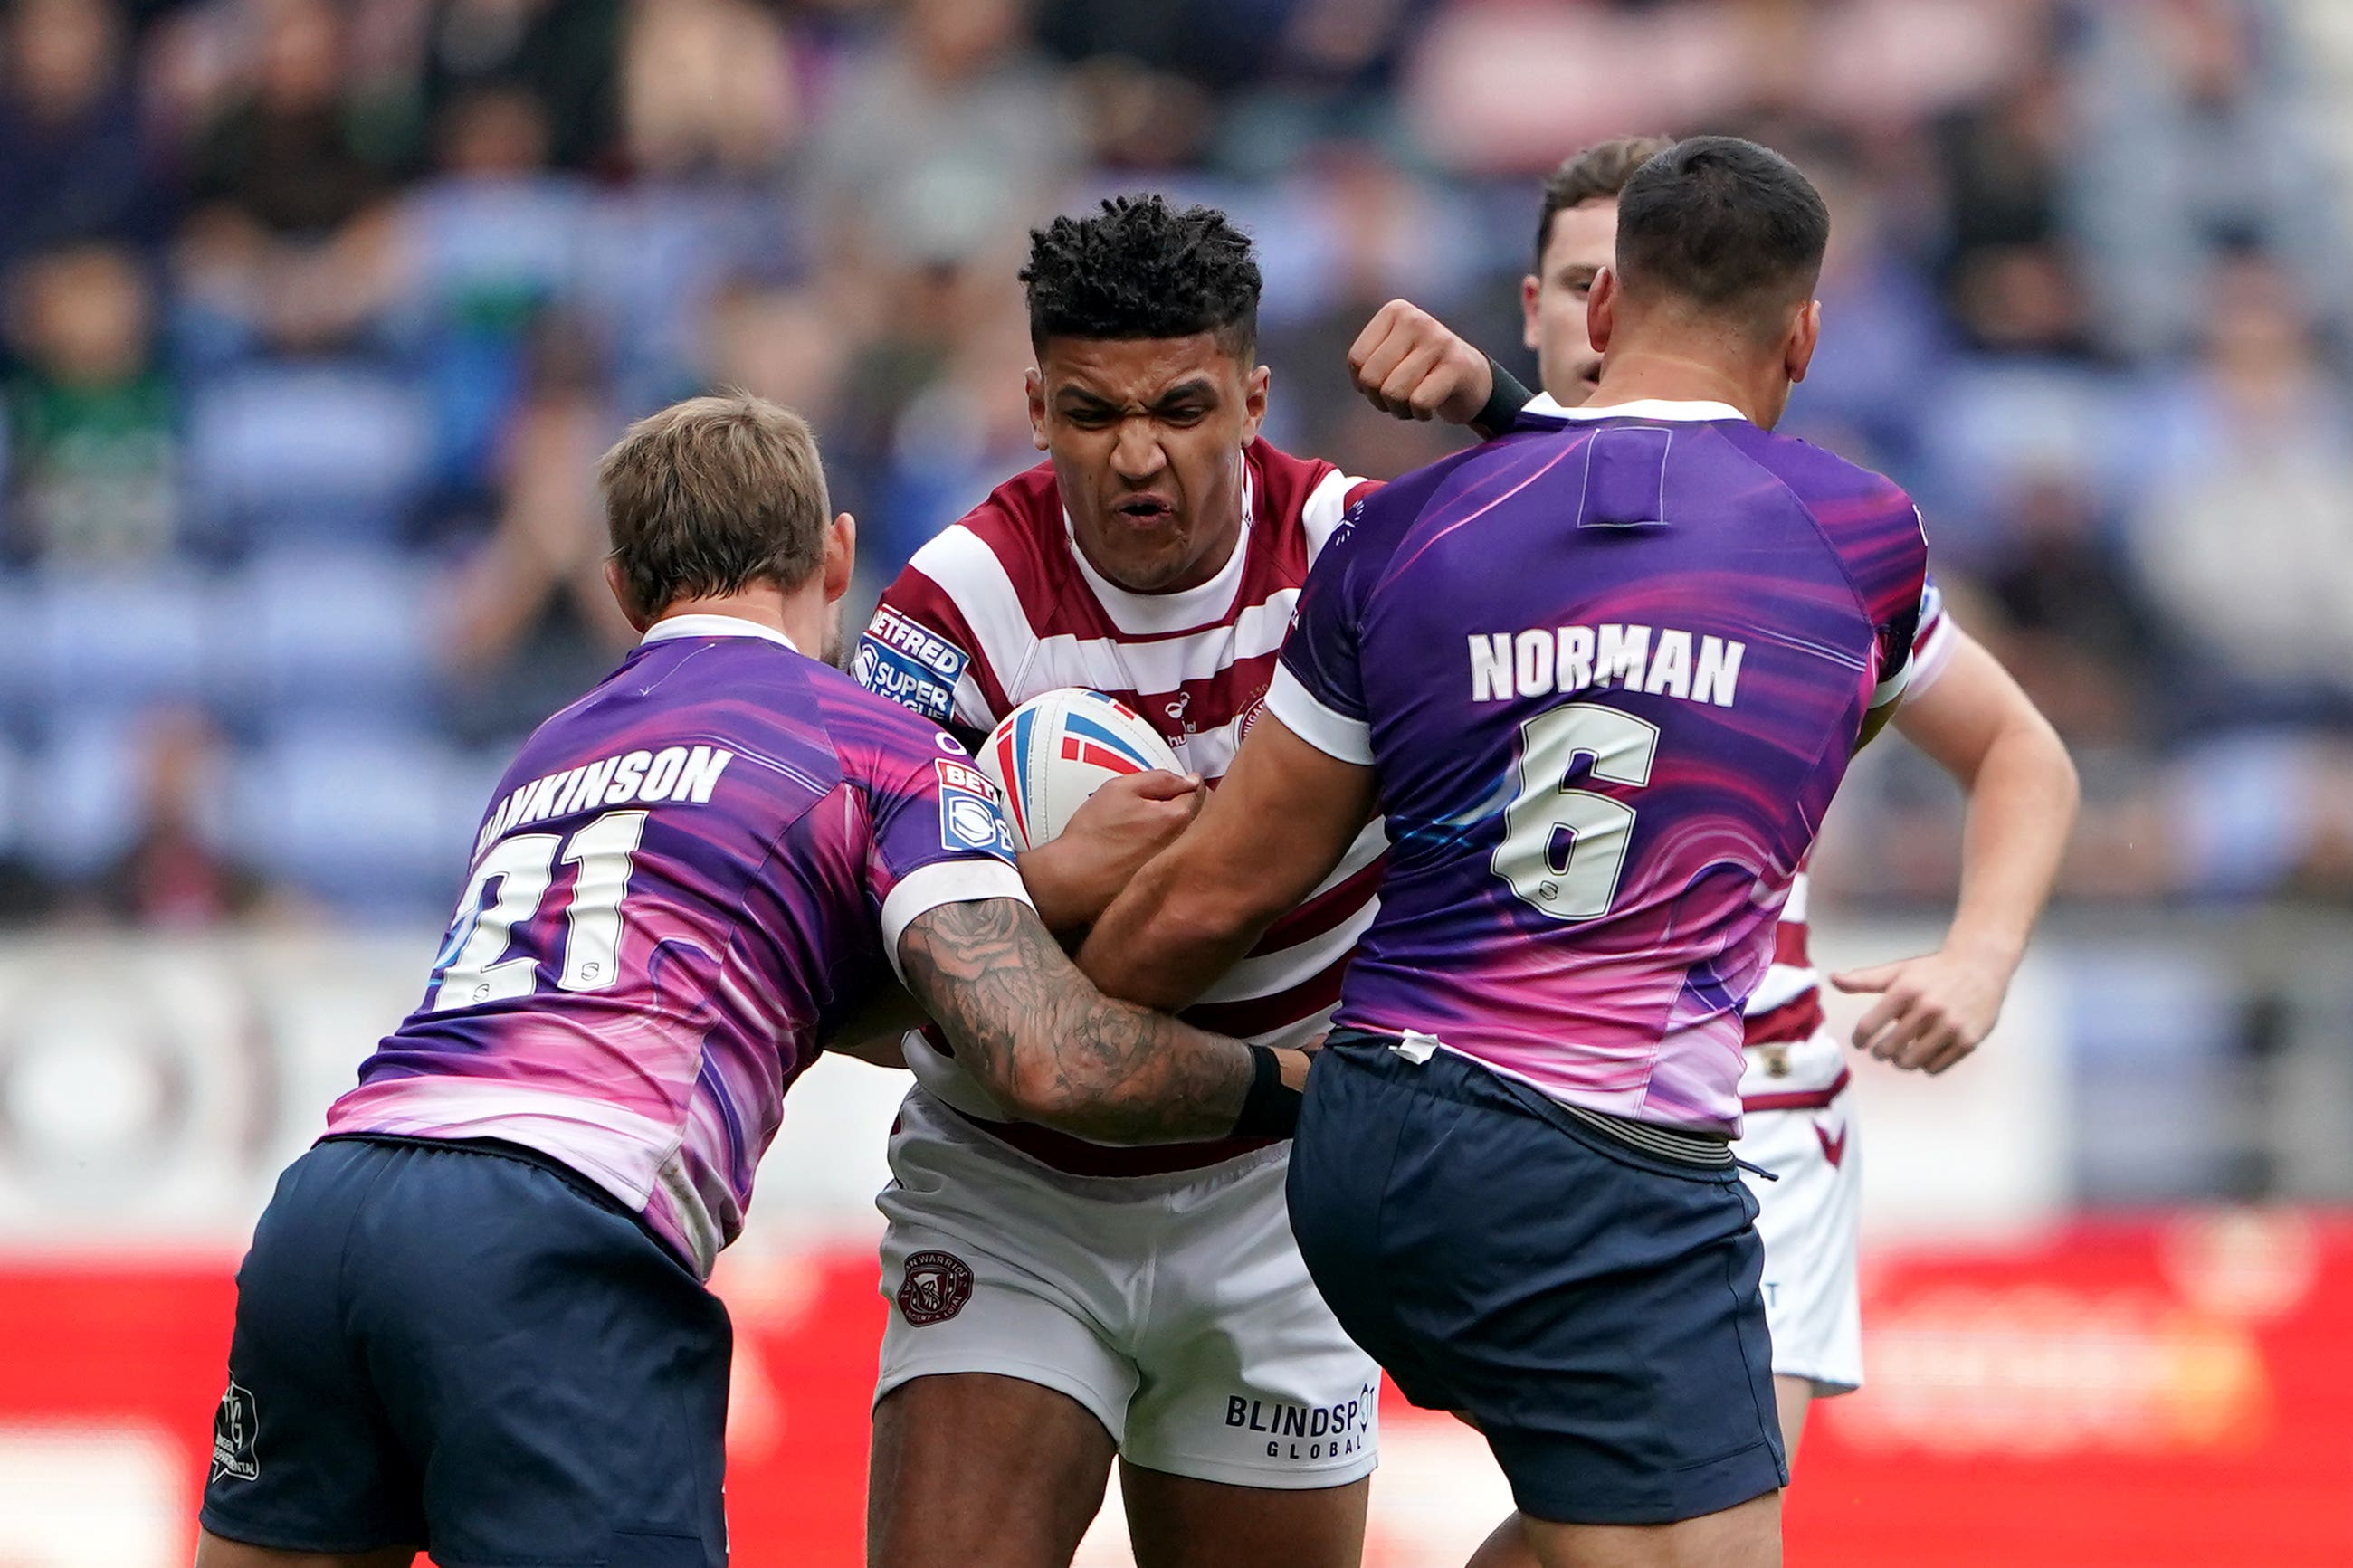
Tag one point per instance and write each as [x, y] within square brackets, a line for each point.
[1147, 438]
[1583, 241]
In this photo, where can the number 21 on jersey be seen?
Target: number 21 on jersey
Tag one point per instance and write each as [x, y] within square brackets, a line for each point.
[473, 966]
[1563, 848]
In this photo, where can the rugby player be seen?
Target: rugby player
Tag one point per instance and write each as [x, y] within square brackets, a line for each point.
[1972, 719]
[1603, 678]
[473, 1320]
[1145, 1305]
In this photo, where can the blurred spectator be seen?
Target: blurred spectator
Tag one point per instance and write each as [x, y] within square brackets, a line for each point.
[2191, 141]
[92, 436]
[2007, 268]
[563, 53]
[73, 165]
[2248, 547]
[475, 254]
[947, 130]
[289, 193]
[174, 874]
[708, 90]
[2081, 635]
[529, 621]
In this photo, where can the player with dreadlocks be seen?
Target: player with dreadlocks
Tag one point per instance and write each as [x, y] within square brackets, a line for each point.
[1058, 1303]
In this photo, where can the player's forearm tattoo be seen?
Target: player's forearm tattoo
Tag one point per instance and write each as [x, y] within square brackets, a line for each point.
[1039, 1034]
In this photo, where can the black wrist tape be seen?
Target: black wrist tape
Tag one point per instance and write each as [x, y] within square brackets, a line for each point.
[1271, 1109]
[1504, 404]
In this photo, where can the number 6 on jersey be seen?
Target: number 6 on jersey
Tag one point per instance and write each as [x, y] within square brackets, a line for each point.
[1575, 880]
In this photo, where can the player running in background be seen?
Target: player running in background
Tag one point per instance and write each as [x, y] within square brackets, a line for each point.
[1149, 1305]
[1603, 679]
[1967, 714]
[473, 1320]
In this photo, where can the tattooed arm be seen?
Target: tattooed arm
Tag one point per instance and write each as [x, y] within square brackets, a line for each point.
[1054, 1049]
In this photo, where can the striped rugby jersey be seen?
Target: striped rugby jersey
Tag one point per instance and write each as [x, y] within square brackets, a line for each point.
[1001, 607]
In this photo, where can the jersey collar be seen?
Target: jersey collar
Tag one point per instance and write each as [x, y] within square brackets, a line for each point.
[1660, 408]
[712, 626]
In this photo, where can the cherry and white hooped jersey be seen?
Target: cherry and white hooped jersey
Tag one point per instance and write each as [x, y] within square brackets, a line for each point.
[1002, 607]
[1788, 1067]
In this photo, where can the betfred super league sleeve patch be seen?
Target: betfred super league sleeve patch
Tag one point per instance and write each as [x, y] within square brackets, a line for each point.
[910, 664]
[969, 820]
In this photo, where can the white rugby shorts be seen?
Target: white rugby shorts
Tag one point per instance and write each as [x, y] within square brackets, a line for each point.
[1176, 1308]
[1809, 1218]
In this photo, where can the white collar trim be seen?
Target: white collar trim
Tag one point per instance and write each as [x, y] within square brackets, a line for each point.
[712, 626]
[1663, 408]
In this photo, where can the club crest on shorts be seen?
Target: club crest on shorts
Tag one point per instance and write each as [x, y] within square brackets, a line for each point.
[935, 1287]
[233, 1430]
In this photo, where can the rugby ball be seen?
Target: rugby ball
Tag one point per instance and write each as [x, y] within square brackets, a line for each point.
[1054, 751]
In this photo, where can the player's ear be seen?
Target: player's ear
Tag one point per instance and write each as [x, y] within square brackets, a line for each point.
[1035, 382]
[620, 587]
[1601, 311]
[1529, 337]
[1805, 336]
[1254, 401]
[840, 555]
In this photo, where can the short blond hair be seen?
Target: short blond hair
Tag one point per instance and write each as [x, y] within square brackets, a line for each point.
[712, 495]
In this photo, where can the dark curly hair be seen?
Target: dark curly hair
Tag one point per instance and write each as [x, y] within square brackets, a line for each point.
[1141, 268]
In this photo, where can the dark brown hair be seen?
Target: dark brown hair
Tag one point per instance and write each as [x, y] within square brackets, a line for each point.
[1595, 173]
[1722, 226]
[712, 495]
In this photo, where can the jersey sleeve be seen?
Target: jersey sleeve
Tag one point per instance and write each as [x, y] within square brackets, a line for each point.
[919, 652]
[1889, 560]
[1318, 686]
[933, 832]
[1932, 645]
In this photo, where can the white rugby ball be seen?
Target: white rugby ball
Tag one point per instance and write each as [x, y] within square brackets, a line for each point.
[1054, 751]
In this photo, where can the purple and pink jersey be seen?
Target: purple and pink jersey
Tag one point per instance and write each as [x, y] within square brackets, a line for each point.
[1610, 672]
[686, 880]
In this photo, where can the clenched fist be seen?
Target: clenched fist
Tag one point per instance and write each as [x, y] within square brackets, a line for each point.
[1408, 363]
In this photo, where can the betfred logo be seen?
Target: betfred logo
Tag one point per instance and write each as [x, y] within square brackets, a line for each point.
[934, 1287]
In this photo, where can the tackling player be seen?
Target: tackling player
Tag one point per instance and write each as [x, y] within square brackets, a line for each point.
[1149, 1305]
[1967, 713]
[473, 1320]
[1603, 678]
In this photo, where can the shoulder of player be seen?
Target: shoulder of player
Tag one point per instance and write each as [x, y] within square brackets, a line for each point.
[1301, 500]
[1841, 496]
[873, 737]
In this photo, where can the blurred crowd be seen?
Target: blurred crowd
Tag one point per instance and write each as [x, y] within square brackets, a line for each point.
[317, 314]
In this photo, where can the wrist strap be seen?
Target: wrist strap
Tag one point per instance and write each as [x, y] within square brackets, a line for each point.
[1269, 1110]
[1504, 404]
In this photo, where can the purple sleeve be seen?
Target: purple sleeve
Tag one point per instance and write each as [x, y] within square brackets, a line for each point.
[933, 835]
[1318, 688]
[1891, 571]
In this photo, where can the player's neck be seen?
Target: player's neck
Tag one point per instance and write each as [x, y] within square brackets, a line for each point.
[1662, 374]
[800, 614]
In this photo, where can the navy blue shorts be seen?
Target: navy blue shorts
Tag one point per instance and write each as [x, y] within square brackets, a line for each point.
[1594, 1307]
[465, 1348]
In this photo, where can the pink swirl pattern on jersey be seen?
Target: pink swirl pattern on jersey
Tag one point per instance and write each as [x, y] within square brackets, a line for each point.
[1701, 534]
[752, 920]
